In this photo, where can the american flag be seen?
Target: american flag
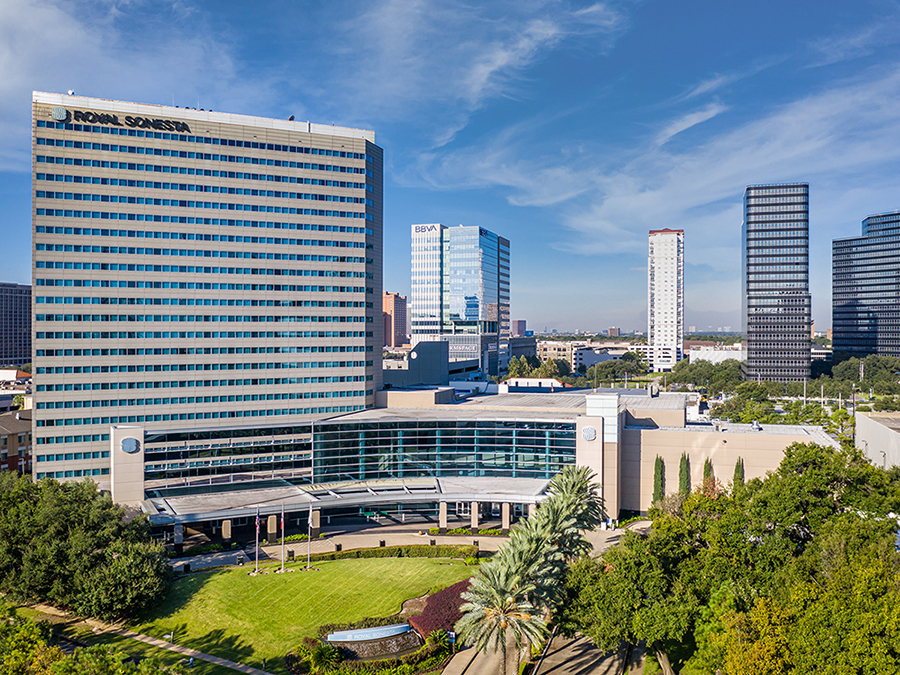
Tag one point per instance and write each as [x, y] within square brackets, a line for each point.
[257, 521]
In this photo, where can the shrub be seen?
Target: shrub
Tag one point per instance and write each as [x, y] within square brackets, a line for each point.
[411, 551]
[441, 610]
[434, 530]
[459, 530]
[472, 560]
[491, 532]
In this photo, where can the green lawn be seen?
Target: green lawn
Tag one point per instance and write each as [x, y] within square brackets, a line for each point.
[243, 618]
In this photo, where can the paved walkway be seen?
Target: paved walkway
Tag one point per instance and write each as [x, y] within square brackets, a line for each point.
[393, 534]
[187, 652]
[162, 644]
[579, 656]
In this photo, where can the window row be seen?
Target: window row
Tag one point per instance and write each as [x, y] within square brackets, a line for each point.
[204, 335]
[234, 159]
[141, 217]
[193, 204]
[199, 302]
[204, 140]
[190, 285]
[190, 269]
[188, 367]
[161, 351]
[196, 187]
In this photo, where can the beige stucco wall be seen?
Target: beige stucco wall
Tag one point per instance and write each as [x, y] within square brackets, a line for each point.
[425, 398]
[760, 451]
[879, 442]
[655, 417]
[126, 469]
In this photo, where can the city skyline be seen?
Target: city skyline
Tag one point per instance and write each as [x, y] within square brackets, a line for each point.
[570, 128]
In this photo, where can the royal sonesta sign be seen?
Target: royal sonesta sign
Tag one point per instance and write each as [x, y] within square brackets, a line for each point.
[88, 117]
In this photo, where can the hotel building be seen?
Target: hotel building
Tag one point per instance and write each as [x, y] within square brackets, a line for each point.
[216, 294]
[460, 292]
[665, 299]
[866, 289]
[775, 280]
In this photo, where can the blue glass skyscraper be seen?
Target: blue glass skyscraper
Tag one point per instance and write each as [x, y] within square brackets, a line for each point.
[460, 292]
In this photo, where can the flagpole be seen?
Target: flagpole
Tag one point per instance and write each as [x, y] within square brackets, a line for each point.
[282, 536]
[308, 538]
[257, 539]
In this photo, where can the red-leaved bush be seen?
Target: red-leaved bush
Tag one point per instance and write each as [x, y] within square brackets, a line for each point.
[441, 610]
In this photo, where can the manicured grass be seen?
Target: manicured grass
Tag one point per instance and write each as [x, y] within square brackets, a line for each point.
[244, 618]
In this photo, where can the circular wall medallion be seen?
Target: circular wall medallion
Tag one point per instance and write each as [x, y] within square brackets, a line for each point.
[60, 114]
[131, 445]
[589, 433]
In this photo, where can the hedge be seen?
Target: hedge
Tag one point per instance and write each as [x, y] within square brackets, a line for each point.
[411, 551]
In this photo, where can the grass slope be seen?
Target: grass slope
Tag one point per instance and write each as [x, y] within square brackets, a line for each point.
[244, 619]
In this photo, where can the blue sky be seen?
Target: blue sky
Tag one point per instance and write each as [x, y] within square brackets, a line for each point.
[571, 128]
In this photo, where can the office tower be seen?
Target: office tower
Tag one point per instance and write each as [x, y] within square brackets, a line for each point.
[665, 299]
[866, 289]
[205, 284]
[15, 324]
[775, 279]
[393, 307]
[460, 292]
[612, 331]
[518, 328]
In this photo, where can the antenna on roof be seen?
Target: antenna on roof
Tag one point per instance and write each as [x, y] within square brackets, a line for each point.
[71, 92]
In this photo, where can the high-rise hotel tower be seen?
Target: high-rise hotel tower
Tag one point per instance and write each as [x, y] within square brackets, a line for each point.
[665, 299]
[775, 279]
[205, 285]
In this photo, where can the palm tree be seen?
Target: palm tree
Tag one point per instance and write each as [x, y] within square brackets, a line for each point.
[538, 560]
[575, 485]
[496, 609]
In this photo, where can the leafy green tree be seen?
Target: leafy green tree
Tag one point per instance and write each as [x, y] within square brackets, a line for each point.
[632, 593]
[757, 643]
[69, 545]
[497, 610]
[18, 400]
[23, 645]
[658, 480]
[684, 475]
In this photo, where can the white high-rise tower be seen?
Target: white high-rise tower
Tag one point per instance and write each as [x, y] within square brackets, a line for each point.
[665, 299]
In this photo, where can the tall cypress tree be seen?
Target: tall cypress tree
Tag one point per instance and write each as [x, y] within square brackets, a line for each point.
[738, 472]
[659, 488]
[684, 475]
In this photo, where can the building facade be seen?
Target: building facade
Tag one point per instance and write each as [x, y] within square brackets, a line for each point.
[518, 328]
[393, 308]
[179, 304]
[775, 282]
[460, 292]
[665, 299]
[865, 293]
[15, 441]
[15, 324]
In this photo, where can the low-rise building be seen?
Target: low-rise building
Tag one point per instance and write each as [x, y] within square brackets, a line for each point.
[15, 441]
[716, 353]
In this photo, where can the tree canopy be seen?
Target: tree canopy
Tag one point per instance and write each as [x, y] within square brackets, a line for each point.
[68, 544]
[794, 573]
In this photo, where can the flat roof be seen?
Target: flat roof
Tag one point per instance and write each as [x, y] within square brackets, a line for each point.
[240, 503]
[815, 434]
[90, 103]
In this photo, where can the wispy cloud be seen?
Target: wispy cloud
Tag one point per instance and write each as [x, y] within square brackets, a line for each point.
[451, 58]
[46, 44]
[860, 43]
[692, 119]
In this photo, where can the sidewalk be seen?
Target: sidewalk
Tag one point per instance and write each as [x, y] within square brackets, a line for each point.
[162, 644]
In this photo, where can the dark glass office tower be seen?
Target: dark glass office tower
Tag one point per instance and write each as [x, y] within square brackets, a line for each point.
[865, 295]
[775, 279]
